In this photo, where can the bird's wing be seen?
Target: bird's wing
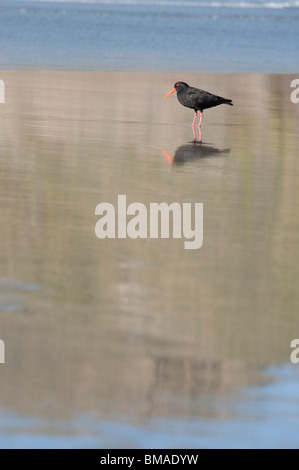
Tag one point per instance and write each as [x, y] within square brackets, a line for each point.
[191, 97]
[202, 98]
[192, 92]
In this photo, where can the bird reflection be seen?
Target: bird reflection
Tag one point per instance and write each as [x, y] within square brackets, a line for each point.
[193, 152]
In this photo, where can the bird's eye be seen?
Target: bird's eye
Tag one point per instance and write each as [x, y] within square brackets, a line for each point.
[177, 84]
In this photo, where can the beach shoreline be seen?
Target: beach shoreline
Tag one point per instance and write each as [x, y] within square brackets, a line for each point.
[149, 37]
[142, 331]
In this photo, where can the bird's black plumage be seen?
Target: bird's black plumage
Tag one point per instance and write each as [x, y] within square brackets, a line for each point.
[197, 99]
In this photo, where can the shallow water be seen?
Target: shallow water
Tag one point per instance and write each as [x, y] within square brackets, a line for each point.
[151, 35]
[260, 417]
[141, 343]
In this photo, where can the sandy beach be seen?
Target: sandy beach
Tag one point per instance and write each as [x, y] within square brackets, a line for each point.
[122, 329]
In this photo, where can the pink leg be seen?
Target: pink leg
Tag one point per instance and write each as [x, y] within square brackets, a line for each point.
[200, 138]
[194, 120]
[200, 119]
[194, 134]
[193, 124]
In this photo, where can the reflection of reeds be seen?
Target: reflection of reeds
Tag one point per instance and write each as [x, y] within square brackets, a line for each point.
[190, 377]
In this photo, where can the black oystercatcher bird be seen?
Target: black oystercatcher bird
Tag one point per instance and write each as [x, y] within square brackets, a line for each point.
[197, 99]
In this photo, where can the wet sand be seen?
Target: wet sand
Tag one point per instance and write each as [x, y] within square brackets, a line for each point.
[130, 331]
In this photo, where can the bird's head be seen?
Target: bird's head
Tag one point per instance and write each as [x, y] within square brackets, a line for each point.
[178, 86]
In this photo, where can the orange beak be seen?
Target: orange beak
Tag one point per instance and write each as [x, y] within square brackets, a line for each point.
[168, 157]
[172, 91]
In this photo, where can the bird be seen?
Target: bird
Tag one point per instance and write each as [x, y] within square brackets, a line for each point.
[198, 100]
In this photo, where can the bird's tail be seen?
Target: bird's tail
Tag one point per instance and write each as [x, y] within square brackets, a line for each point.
[228, 102]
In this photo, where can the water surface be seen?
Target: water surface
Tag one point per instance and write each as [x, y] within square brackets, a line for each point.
[151, 35]
[140, 343]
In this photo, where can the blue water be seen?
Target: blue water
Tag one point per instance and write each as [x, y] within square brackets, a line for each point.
[260, 417]
[153, 35]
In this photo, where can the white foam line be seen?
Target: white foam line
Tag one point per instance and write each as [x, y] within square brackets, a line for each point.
[171, 3]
